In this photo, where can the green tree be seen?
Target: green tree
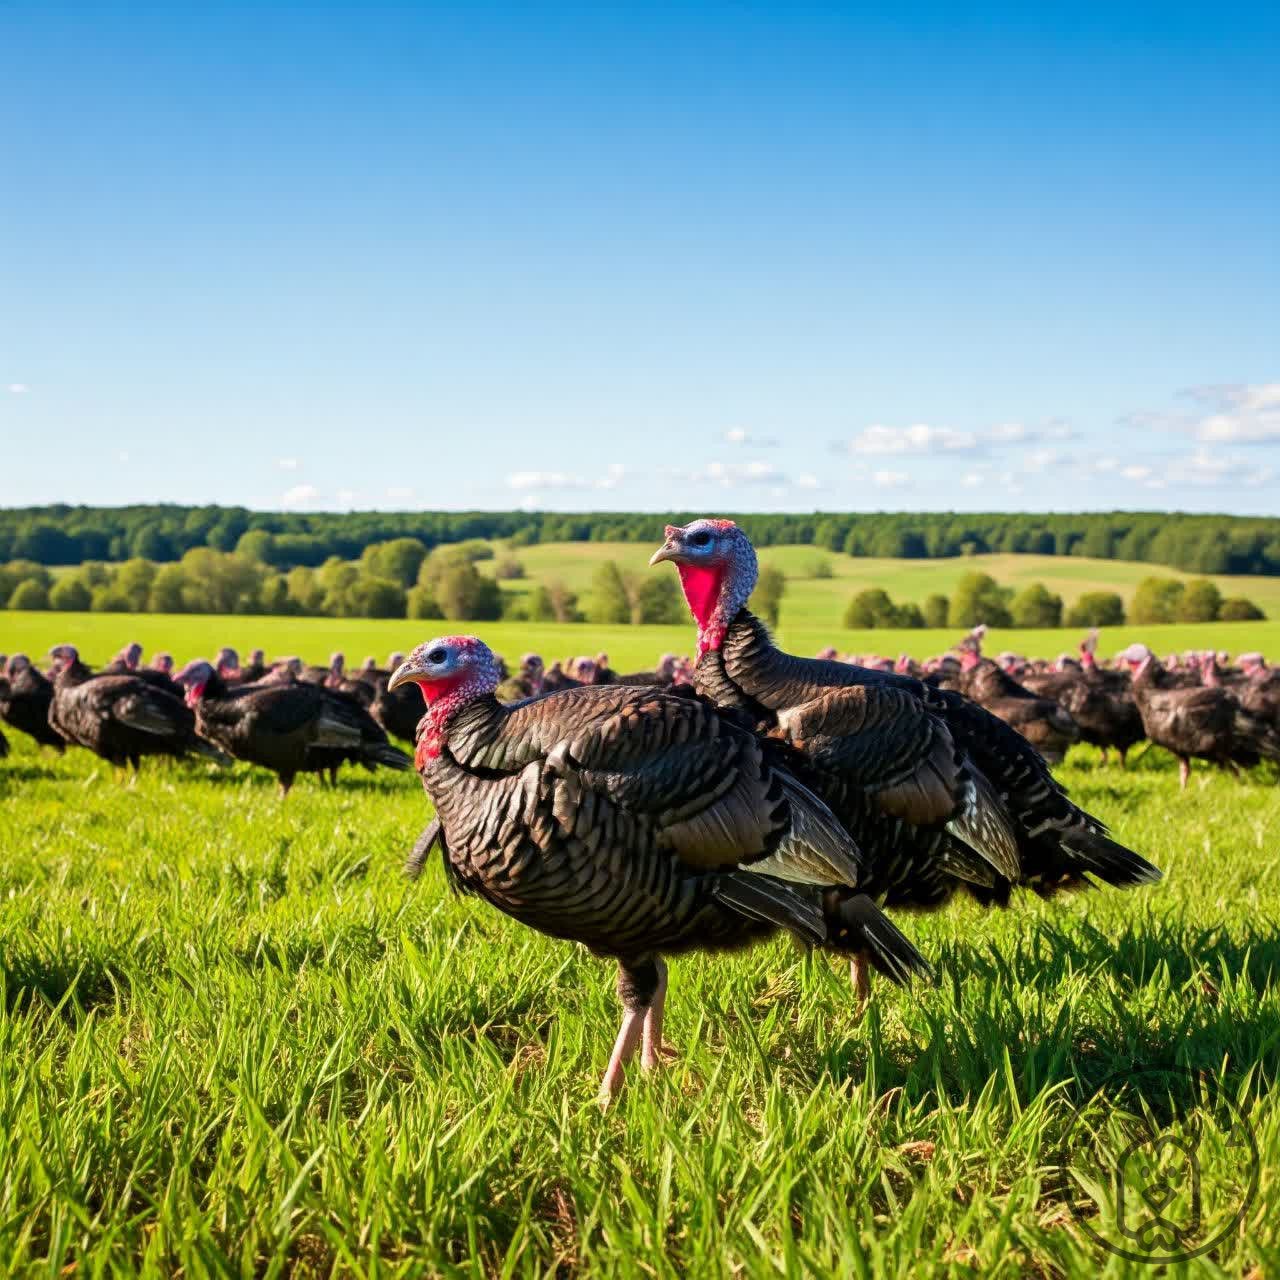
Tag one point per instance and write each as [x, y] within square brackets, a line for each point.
[766, 599]
[978, 597]
[1036, 606]
[378, 597]
[1156, 600]
[910, 616]
[935, 611]
[659, 601]
[869, 609]
[1239, 609]
[257, 544]
[399, 559]
[422, 603]
[70, 595]
[609, 602]
[30, 593]
[133, 581]
[166, 594]
[466, 595]
[1096, 609]
[1200, 601]
[508, 569]
[306, 592]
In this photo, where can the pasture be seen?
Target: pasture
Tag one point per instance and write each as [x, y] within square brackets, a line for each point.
[236, 1041]
[100, 635]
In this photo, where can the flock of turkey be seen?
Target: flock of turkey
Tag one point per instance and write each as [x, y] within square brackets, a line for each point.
[701, 806]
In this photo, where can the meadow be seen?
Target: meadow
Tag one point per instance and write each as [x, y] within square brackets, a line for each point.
[236, 1041]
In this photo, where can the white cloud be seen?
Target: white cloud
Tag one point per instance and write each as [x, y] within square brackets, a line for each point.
[807, 481]
[613, 476]
[1245, 415]
[18, 388]
[890, 479]
[1136, 471]
[400, 493]
[122, 456]
[920, 438]
[1209, 470]
[544, 480]
[740, 436]
[288, 464]
[1231, 413]
[1040, 459]
[299, 496]
[972, 479]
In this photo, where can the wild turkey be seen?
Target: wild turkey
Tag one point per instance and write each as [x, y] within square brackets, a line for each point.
[1047, 726]
[121, 718]
[255, 668]
[1206, 722]
[554, 679]
[289, 728]
[25, 699]
[1058, 845]
[635, 821]
[1259, 691]
[526, 683]
[664, 674]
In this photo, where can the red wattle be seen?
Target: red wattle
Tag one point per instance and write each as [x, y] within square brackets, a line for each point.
[701, 590]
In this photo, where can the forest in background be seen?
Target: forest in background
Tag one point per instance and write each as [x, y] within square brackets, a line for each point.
[60, 535]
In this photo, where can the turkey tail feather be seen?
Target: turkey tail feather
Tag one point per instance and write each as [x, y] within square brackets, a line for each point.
[1101, 856]
[860, 925]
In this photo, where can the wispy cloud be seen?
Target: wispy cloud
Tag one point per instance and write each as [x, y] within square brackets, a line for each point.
[400, 493]
[300, 495]
[919, 438]
[1225, 413]
[544, 480]
[18, 388]
[288, 464]
[744, 438]
[890, 479]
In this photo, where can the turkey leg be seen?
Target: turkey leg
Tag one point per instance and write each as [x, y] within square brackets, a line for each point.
[638, 983]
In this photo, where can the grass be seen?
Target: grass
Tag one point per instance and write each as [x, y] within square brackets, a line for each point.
[234, 1041]
[100, 635]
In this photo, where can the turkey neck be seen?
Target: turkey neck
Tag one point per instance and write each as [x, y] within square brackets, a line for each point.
[72, 674]
[748, 671]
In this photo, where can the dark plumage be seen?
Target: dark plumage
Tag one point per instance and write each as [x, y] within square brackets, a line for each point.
[287, 727]
[880, 736]
[1206, 722]
[634, 821]
[25, 698]
[120, 717]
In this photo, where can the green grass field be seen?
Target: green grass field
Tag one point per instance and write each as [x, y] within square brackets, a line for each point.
[236, 1042]
[99, 635]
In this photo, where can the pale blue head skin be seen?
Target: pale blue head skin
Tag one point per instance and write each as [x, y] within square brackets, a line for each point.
[718, 572]
[458, 664]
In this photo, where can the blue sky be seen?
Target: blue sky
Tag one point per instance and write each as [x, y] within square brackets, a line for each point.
[722, 256]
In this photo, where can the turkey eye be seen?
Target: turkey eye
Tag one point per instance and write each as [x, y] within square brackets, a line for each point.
[700, 539]
[437, 656]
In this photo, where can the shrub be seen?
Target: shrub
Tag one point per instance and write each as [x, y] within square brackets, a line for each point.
[936, 609]
[1156, 600]
[422, 603]
[30, 593]
[466, 595]
[1239, 609]
[1036, 606]
[508, 569]
[766, 599]
[1096, 609]
[1200, 601]
[70, 595]
[978, 597]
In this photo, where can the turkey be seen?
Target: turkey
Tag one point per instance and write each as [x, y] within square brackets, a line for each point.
[1259, 691]
[554, 679]
[255, 668]
[289, 728]
[637, 822]
[526, 683]
[126, 663]
[121, 718]
[1203, 721]
[1047, 726]
[25, 699]
[849, 710]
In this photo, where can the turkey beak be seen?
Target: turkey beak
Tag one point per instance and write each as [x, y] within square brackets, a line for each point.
[406, 673]
[668, 551]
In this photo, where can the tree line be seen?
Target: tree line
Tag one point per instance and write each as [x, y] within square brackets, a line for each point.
[72, 535]
[979, 598]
